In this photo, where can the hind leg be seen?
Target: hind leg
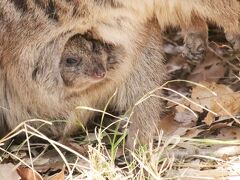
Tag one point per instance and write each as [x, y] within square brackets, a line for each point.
[195, 38]
[147, 73]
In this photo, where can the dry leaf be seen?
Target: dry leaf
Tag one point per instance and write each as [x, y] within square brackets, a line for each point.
[8, 171]
[58, 176]
[225, 103]
[192, 133]
[168, 124]
[82, 149]
[184, 116]
[229, 133]
[28, 174]
[209, 70]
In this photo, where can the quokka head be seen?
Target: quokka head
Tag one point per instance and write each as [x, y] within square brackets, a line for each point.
[85, 61]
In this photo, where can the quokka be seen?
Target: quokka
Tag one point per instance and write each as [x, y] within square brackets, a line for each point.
[33, 35]
[87, 74]
[86, 61]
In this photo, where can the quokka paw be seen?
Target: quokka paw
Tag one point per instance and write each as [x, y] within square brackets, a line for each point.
[195, 46]
[234, 39]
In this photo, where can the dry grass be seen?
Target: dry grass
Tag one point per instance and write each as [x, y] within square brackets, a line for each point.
[171, 157]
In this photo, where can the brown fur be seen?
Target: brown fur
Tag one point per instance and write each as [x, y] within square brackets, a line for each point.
[33, 36]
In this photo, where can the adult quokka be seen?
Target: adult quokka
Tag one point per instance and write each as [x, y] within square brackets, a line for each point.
[87, 73]
[39, 78]
[33, 35]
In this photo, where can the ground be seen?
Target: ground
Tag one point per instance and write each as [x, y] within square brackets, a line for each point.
[198, 135]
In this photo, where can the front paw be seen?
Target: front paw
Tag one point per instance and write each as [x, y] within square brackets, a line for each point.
[195, 46]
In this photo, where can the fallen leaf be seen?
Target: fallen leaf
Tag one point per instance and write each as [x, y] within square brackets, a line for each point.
[82, 149]
[8, 171]
[58, 176]
[209, 119]
[209, 70]
[229, 133]
[224, 103]
[192, 133]
[28, 174]
[184, 116]
[168, 124]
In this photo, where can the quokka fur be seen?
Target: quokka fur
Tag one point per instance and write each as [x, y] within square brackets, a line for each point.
[33, 34]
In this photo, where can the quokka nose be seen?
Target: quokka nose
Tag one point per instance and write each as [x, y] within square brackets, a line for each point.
[99, 73]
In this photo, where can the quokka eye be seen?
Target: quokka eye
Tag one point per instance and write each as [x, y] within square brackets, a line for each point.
[72, 61]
